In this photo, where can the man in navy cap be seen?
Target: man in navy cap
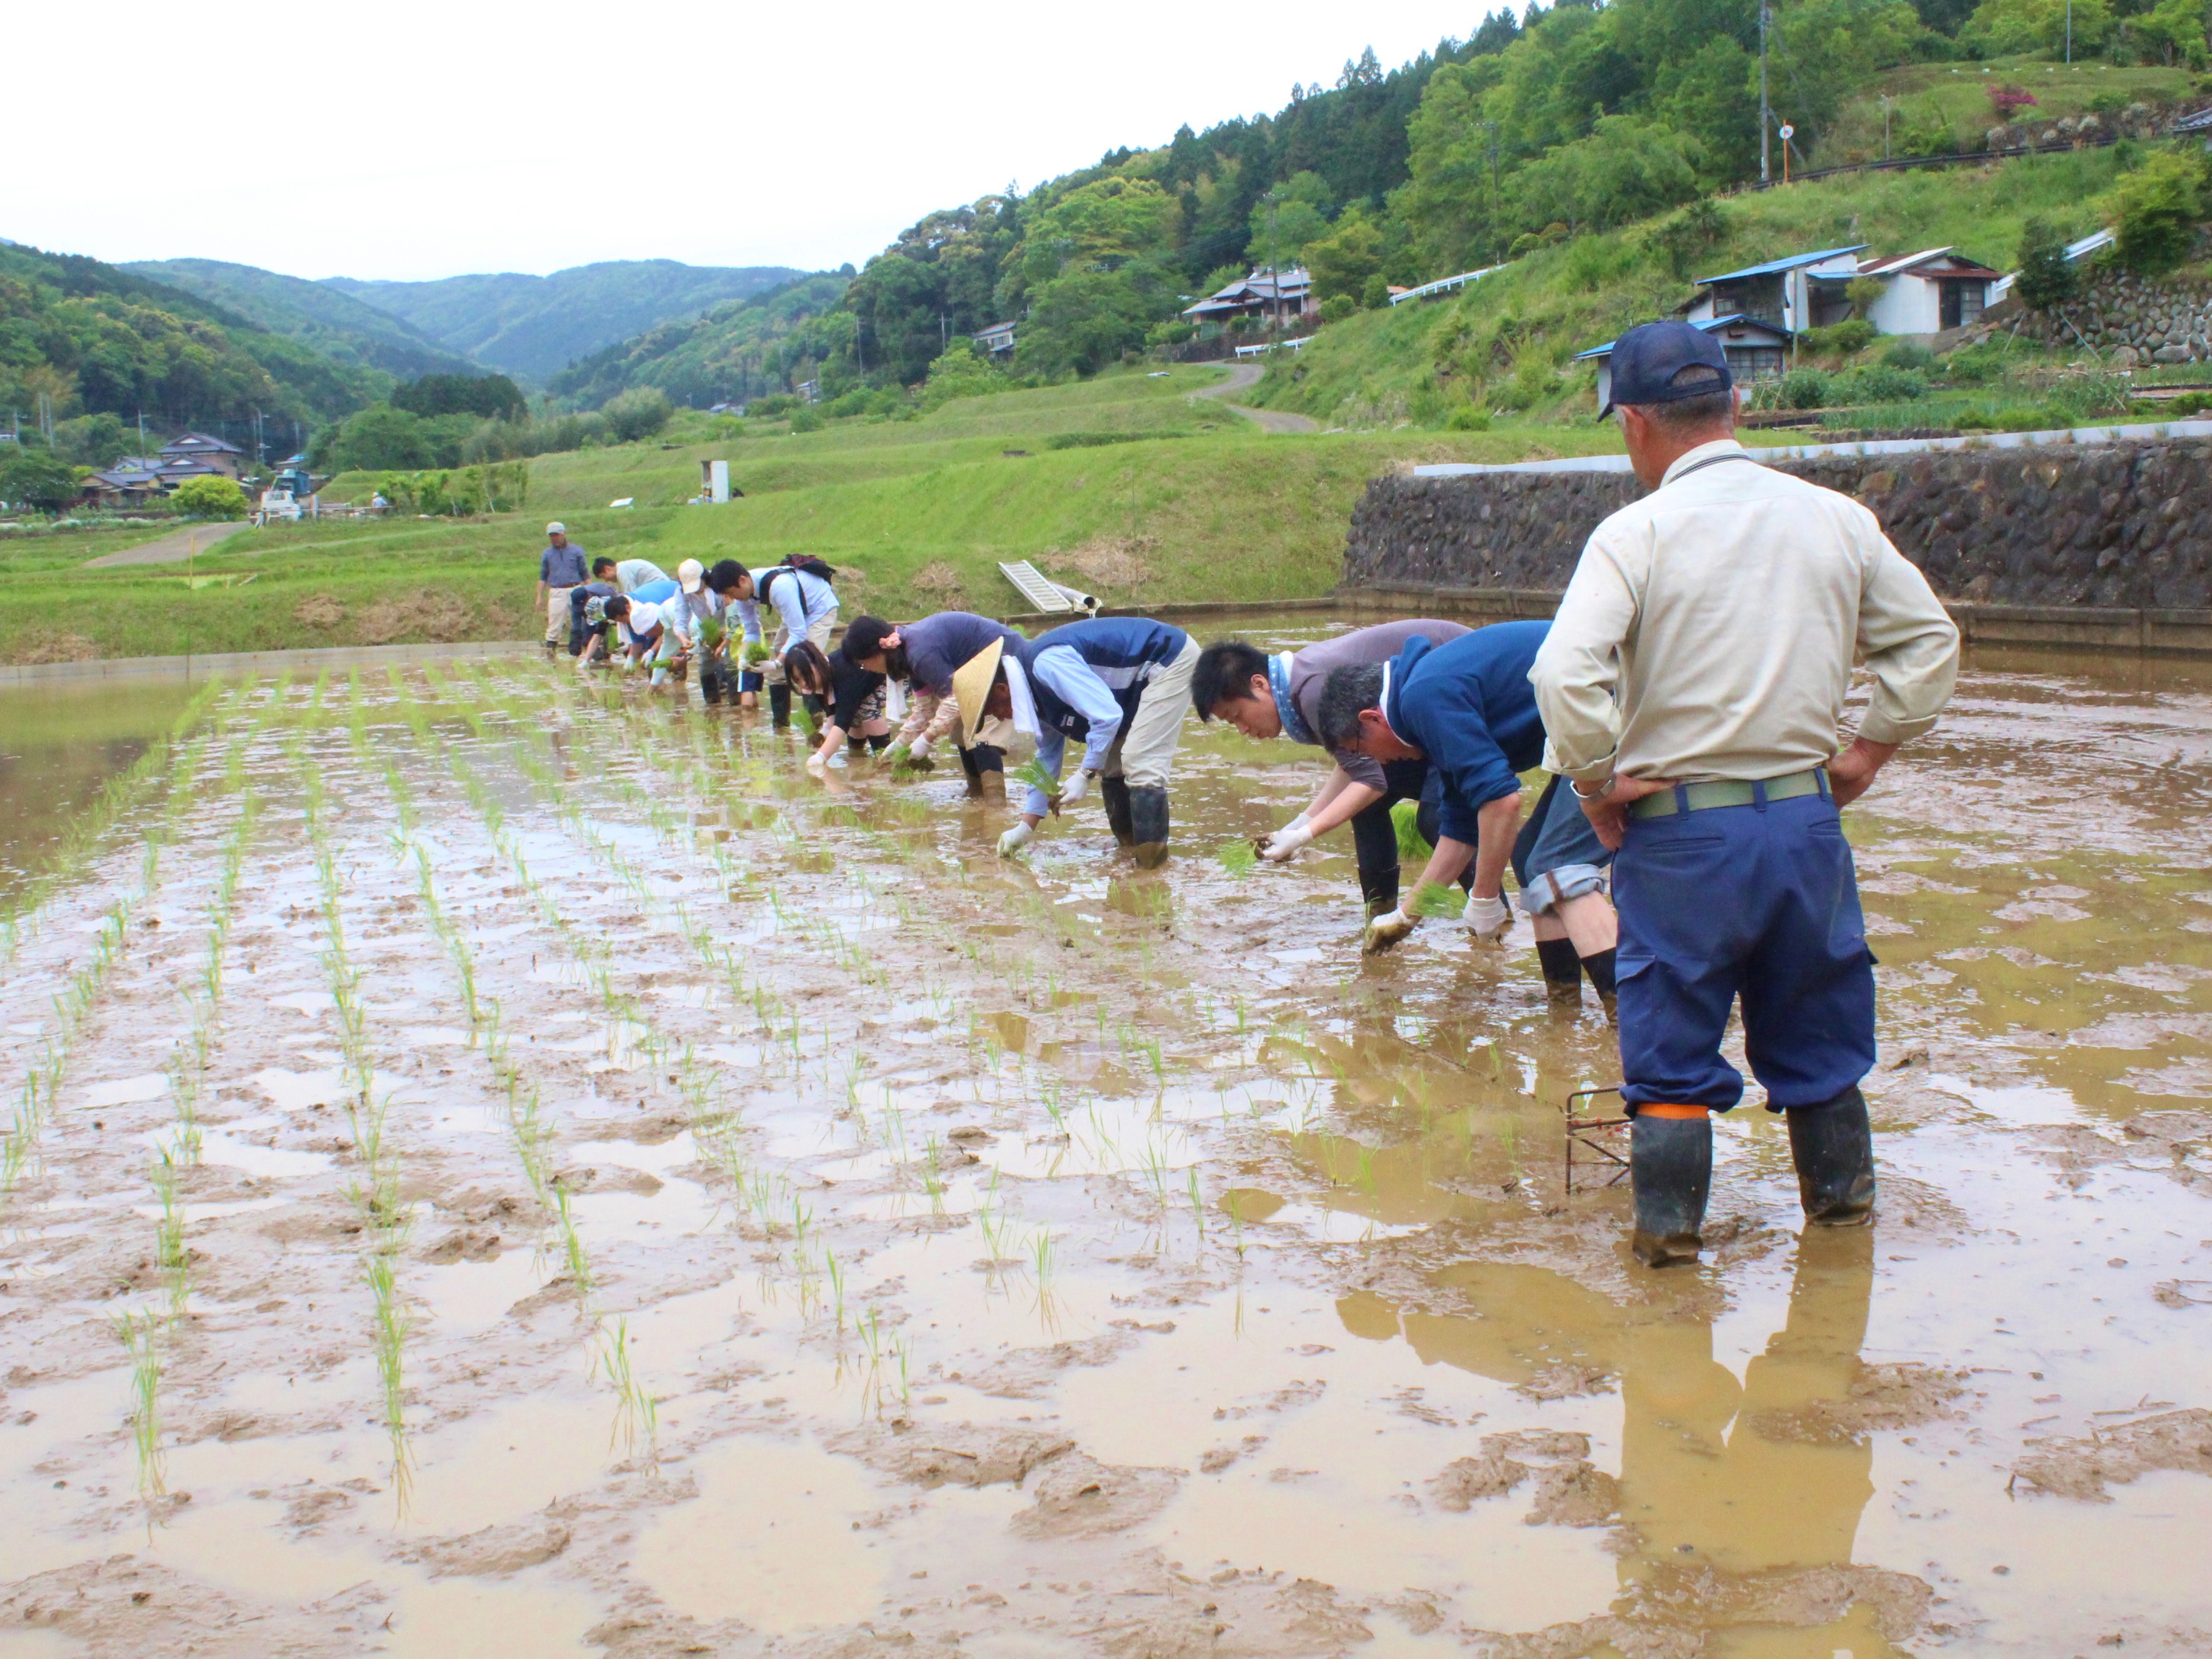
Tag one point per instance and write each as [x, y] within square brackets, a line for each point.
[1692, 689]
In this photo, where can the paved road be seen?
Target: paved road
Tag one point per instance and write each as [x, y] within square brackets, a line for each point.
[1242, 377]
[172, 549]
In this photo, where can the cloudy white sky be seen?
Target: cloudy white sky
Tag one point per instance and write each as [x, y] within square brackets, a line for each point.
[422, 138]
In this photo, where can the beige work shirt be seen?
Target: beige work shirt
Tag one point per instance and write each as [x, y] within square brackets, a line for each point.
[1709, 628]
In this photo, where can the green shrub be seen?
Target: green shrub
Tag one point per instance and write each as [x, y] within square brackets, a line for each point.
[1885, 383]
[210, 498]
[2155, 211]
[776, 404]
[2047, 277]
[638, 413]
[1976, 365]
[1374, 293]
[2028, 418]
[34, 477]
[1847, 338]
[1903, 354]
[1807, 388]
[2188, 402]
[806, 418]
[1467, 418]
[1337, 307]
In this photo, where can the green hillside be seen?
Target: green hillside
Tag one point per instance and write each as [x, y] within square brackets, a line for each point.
[336, 325]
[103, 344]
[533, 327]
[1508, 341]
[737, 350]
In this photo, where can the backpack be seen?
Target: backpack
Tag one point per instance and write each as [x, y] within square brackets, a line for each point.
[813, 566]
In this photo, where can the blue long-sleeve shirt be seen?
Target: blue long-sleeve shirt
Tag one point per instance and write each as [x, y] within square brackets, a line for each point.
[1468, 706]
[1087, 678]
[1060, 670]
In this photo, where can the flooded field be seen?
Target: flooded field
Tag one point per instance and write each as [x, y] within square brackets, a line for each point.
[500, 1166]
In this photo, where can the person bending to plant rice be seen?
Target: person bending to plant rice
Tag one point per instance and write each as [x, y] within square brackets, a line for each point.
[1467, 709]
[1266, 697]
[852, 681]
[925, 655]
[1117, 684]
[652, 633]
[805, 607]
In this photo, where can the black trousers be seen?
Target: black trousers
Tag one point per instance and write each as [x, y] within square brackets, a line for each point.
[1375, 837]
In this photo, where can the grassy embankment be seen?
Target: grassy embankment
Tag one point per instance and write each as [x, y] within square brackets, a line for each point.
[1510, 338]
[915, 513]
[1947, 104]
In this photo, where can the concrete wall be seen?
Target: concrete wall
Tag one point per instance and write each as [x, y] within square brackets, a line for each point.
[2106, 545]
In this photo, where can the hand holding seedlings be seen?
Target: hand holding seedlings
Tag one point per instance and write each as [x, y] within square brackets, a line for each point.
[1281, 846]
[1016, 838]
[1387, 930]
[1076, 791]
[1489, 919]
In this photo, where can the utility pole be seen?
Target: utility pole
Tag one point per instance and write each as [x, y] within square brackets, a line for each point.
[1885, 122]
[2069, 31]
[1497, 231]
[1766, 21]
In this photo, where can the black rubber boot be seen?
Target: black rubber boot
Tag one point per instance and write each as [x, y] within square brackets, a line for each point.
[1378, 891]
[1563, 973]
[1670, 1162]
[1148, 825]
[1601, 970]
[1115, 793]
[779, 706]
[1833, 1146]
[985, 769]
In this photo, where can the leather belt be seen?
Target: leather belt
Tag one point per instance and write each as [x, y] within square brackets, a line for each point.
[1729, 791]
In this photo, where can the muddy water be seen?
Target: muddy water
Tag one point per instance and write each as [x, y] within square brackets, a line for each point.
[501, 1167]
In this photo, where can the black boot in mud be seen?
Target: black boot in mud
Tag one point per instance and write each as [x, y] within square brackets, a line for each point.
[1563, 973]
[1378, 891]
[1114, 793]
[1148, 825]
[985, 767]
[779, 706]
[1670, 1162]
[1833, 1146]
[1600, 968]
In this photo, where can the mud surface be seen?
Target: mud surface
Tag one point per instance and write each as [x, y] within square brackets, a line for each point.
[495, 1166]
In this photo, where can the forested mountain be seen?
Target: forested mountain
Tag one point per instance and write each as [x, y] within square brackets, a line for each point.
[737, 350]
[532, 326]
[334, 323]
[102, 345]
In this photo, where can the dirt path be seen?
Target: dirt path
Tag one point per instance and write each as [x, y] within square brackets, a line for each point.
[1241, 378]
[172, 549]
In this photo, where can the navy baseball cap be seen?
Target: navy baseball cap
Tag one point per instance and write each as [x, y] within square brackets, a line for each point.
[1646, 360]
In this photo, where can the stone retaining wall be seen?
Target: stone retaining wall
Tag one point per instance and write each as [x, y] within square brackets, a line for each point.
[2112, 528]
[2133, 320]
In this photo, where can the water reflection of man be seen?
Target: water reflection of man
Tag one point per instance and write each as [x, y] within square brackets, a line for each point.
[1763, 1477]
[1692, 686]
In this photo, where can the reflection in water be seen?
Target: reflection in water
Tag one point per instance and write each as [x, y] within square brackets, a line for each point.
[1740, 1501]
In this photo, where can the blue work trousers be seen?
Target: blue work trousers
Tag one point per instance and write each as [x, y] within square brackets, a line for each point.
[1760, 902]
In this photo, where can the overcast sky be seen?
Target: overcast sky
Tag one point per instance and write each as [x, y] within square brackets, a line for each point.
[415, 140]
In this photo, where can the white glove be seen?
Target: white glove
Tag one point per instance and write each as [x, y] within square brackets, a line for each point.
[1014, 839]
[1489, 919]
[918, 751]
[1076, 790]
[817, 765]
[1283, 846]
[1386, 931]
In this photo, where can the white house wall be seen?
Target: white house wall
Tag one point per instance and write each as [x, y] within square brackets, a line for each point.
[1909, 305]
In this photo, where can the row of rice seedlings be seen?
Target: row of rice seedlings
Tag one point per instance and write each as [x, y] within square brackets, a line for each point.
[639, 1413]
[375, 1193]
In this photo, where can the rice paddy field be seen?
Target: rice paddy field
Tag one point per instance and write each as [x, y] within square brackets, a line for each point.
[501, 1164]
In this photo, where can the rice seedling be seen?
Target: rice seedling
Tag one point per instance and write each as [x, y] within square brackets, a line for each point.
[1238, 857]
[141, 1335]
[640, 1413]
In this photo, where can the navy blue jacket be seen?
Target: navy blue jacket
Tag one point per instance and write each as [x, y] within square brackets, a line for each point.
[1123, 652]
[1468, 706]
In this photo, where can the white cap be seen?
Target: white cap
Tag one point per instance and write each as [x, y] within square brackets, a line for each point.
[690, 575]
[556, 528]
